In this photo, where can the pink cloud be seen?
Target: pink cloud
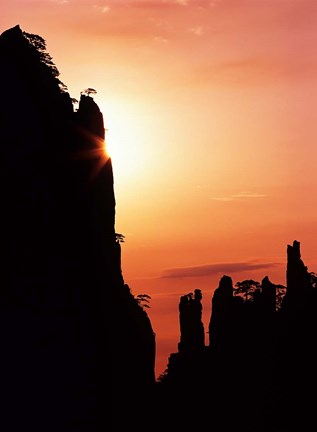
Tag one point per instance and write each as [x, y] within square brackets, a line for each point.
[213, 269]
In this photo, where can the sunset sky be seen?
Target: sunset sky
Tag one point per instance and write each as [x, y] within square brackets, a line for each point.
[210, 110]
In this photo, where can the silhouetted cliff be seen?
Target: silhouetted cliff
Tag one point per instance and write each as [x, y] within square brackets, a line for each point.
[74, 339]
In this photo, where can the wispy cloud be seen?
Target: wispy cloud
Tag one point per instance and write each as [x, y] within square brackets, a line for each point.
[247, 71]
[102, 8]
[60, 2]
[214, 269]
[197, 31]
[182, 2]
[160, 39]
[157, 4]
[240, 195]
[165, 4]
[214, 3]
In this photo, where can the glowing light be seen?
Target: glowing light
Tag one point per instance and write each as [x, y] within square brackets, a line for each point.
[99, 153]
[123, 141]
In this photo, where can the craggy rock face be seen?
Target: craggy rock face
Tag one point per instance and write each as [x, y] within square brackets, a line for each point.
[297, 275]
[81, 334]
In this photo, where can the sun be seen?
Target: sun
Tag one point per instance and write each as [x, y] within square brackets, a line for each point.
[123, 139]
[119, 146]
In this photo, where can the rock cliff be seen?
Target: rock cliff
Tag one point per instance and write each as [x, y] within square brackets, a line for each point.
[73, 337]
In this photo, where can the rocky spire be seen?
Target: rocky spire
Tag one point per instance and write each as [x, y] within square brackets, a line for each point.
[268, 295]
[190, 318]
[220, 325]
[298, 280]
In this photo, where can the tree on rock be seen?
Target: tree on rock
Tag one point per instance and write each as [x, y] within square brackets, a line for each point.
[39, 44]
[247, 289]
[89, 91]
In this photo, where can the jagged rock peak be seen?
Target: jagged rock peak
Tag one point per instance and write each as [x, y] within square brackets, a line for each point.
[91, 116]
[294, 250]
[225, 283]
[297, 275]
[13, 31]
[190, 318]
[12, 40]
[294, 261]
[26, 55]
[266, 282]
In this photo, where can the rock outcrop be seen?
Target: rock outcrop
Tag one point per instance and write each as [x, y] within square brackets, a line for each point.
[261, 354]
[74, 339]
[190, 318]
[298, 278]
[220, 324]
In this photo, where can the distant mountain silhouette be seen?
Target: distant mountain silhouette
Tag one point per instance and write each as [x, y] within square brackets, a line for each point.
[75, 343]
[77, 348]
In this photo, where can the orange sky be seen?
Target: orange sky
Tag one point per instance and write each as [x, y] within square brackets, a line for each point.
[210, 111]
